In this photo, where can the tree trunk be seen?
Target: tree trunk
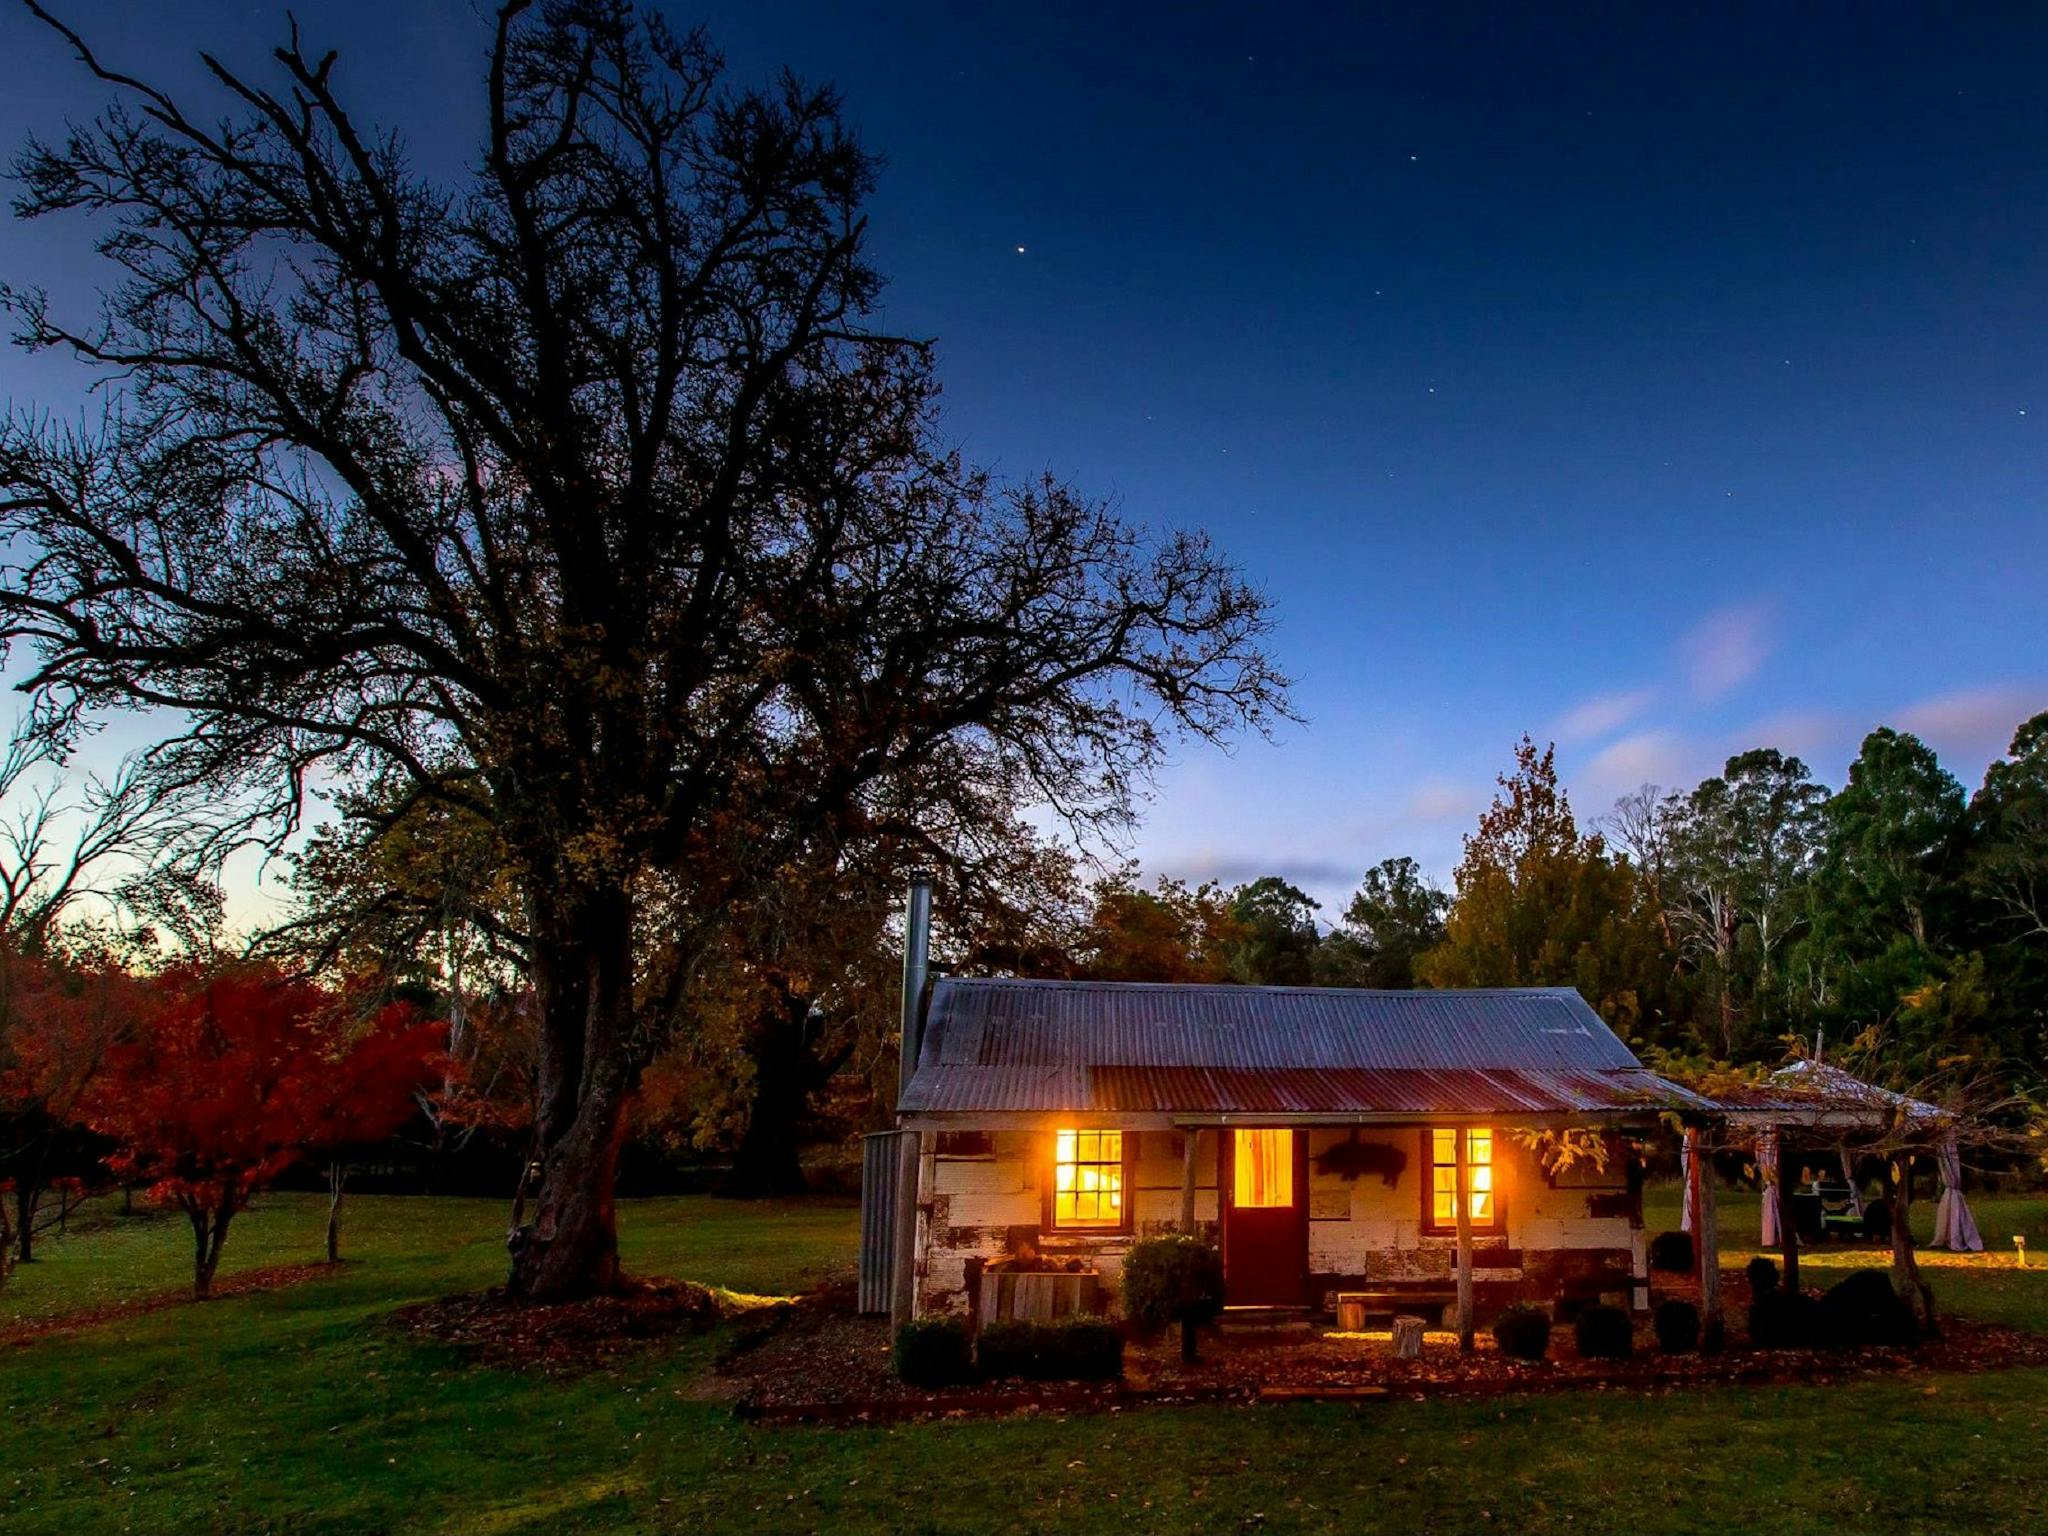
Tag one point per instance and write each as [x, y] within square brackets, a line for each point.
[583, 978]
[209, 1233]
[786, 1073]
[571, 1248]
[337, 1175]
[1907, 1280]
[25, 1222]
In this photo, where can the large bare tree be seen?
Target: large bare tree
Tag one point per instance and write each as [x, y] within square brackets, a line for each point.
[579, 498]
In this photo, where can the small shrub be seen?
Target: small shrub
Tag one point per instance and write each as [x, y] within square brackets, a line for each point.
[1877, 1220]
[1678, 1327]
[1523, 1331]
[1605, 1333]
[1173, 1279]
[1763, 1277]
[933, 1352]
[1007, 1349]
[1671, 1253]
[1079, 1349]
[1090, 1349]
[1784, 1320]
[1864, 1310]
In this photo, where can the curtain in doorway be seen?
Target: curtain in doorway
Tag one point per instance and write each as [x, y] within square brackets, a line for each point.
[1954, 1226]
[1767, 1174]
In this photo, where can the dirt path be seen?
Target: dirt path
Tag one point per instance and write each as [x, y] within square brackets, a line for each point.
[274, 1277]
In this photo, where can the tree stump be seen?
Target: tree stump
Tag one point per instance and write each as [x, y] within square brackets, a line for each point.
[1407, 1338]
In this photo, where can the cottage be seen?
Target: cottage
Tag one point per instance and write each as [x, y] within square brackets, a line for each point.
[1320, 1136]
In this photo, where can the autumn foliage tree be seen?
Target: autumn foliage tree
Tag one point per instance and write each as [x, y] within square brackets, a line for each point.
[366, 1089]
[59, 1018]
[1173, 932]
[233, 1076]
[1540, 903]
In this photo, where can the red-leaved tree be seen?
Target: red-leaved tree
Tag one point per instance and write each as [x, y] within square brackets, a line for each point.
[233, 1076]
[59, 1017]
[367, 1093]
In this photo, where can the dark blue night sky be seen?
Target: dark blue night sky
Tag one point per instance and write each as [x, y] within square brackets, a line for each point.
[1665, 379]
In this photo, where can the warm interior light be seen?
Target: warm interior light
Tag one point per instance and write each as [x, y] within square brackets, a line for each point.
[1478, 1175]
[1264, 1168]
[1088, 1178]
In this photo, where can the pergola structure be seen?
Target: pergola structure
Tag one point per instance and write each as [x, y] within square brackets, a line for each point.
[1810, 1102]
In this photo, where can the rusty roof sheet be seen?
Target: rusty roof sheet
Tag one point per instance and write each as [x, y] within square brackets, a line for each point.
[1014, 1045]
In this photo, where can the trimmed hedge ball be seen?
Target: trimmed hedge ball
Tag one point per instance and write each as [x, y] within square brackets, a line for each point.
[1523, 1331]
[1678, 1327]
[1605, 1333]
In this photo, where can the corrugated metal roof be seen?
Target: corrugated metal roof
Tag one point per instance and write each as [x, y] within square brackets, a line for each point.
[1007, 1045]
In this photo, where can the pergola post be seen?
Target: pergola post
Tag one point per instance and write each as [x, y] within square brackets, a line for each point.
[1638, 1238]
[1193, 1141]
[1788, 1228]
[1707, 1240]
[1464, 1219]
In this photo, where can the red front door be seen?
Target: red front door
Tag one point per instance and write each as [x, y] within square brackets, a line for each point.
[1265, 1218]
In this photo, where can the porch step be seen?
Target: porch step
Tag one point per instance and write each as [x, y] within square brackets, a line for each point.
[1265, 1320]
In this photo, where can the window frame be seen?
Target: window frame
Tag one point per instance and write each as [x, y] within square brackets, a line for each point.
[1126, 1147]
[1430, 1224]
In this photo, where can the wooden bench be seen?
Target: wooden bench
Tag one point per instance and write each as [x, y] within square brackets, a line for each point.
[1387, 1302]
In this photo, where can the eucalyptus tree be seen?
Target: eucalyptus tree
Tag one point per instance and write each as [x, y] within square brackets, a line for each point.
[1393, 918]
[580, 497]
[1739, 850]
[2008, 861]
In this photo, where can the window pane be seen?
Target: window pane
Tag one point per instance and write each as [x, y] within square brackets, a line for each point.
[1088, 1178]
[1444, 1175]
[1263, 1173]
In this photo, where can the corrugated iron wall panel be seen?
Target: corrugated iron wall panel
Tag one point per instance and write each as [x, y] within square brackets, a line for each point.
[878, 1196]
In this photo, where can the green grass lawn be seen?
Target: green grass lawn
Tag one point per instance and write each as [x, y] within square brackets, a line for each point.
[292, 1410]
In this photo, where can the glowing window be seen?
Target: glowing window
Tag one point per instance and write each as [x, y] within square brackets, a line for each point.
[1443, 1159]
[1262, 1165]
[1088, 1179]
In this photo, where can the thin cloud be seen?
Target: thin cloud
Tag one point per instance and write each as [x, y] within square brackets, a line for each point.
[1232, 868]
[1974, 720]
[1603, 714]
[1440, 800]
[1726, 648]
[1808, 734]
[1647, 757]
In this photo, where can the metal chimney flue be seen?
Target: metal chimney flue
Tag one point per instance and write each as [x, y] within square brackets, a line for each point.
[917, 962]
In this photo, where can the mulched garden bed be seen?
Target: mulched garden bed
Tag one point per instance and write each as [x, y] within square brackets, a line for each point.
[271, 1278]
[493, 1328]
[819, 1363]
